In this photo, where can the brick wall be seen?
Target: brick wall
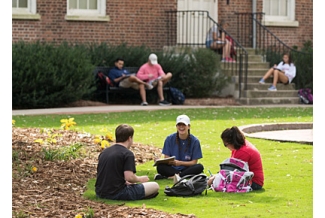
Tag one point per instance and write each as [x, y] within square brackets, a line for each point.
[143, 22]
[134, 22]
[289, 35]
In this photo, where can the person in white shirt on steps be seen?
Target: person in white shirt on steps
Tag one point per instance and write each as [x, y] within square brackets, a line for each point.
[284, 72]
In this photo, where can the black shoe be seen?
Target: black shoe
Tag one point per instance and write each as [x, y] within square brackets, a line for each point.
[158, 176]
[164, 103]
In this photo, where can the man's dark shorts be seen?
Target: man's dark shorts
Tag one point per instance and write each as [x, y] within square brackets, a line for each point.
[130, 192]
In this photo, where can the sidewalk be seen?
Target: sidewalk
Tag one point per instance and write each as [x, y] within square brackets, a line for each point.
[121, 108]
[301, 135]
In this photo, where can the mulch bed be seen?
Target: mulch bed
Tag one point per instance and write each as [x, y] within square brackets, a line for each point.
[56, 188]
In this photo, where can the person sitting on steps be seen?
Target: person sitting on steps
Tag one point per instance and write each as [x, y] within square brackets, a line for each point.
[284, 72]
[216, 40]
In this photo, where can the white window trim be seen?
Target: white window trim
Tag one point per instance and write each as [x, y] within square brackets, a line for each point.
[88, 15]
[288, 21]
[30, 13]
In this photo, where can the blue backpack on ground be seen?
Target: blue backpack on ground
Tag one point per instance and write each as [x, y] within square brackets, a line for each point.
[305, 95]
[177, 96]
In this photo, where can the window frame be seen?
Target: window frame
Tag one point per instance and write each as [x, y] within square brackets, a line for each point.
[88, 14]
[288, 20]
[29, 13]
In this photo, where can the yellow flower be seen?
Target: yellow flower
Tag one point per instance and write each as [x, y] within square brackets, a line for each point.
[67, 123]
[78, 216]
[34, 169]
[13, 122]
[104, 144]
[97, 140]
[40, 141]
[109, 136]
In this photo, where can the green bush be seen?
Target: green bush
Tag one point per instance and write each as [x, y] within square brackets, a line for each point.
[104, 54]
[45, 75]
[197, 73]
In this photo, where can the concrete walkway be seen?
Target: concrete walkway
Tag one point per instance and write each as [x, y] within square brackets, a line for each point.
[296, 135]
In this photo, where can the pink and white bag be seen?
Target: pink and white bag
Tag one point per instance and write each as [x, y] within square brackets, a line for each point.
[234, 176]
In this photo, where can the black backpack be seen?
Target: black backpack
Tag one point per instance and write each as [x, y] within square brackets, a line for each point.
[177, 96]
[189, 185]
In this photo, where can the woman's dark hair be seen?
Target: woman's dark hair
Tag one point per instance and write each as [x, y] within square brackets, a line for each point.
[289, 57]
[123, 132]
[233, 136]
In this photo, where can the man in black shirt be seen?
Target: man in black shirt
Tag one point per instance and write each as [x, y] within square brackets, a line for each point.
[116, 178]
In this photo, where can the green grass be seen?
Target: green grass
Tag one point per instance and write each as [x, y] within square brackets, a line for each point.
[288, 167]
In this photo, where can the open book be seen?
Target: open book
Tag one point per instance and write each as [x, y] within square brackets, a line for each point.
[165, 160]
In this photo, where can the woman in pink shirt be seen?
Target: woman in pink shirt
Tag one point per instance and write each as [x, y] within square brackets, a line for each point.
[242, 149]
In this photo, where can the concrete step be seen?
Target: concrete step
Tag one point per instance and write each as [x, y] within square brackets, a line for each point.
[269, 94]
[261, 87]
[254, 79]
[251, 51]
[255, 58]
[259, 72]
[254, 65]
[267, 101]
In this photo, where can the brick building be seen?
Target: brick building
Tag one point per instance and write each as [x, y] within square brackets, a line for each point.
[144, 21]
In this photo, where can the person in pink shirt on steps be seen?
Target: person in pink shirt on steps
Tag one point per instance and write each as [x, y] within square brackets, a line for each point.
[152, 73]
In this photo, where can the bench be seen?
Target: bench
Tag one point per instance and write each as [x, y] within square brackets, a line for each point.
[103, 86]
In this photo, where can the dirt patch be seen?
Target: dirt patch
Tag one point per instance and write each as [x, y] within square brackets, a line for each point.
[55, 188]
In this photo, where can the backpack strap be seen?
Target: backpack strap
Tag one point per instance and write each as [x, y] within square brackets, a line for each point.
[182, 179]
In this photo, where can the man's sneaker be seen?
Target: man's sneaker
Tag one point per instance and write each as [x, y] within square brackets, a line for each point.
[144, 103]
[272, 88]
[149, 86]
[176, 178]
[158, 176]
[164, 103]
[262, 81]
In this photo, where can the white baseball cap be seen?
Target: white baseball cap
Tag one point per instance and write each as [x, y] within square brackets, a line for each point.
[153, 59]
[183, 119]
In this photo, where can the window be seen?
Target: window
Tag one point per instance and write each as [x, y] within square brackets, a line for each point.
[24, 9]
[86, 10]
[279, 12]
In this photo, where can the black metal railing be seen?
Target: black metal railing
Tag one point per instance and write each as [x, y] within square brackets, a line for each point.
[252, 33]
[190, 28]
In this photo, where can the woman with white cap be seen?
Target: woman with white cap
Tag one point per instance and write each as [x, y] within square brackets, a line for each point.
[187, 151]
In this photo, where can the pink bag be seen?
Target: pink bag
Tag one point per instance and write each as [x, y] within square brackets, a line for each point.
[232, 181]
[234, 176]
